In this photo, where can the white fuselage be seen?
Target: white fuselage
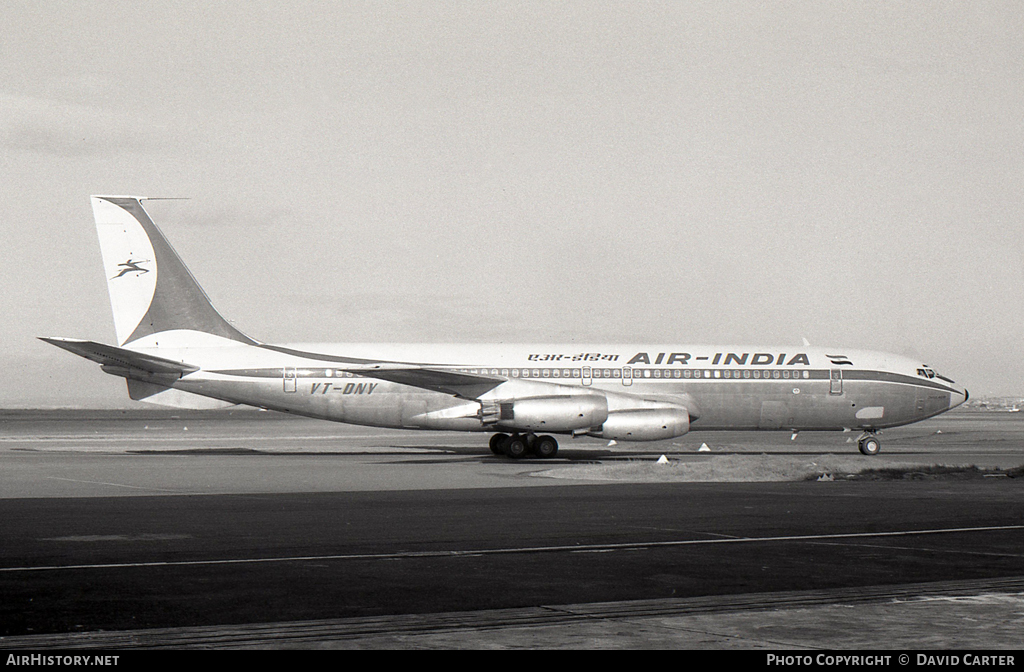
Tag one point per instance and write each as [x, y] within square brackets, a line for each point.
[735, 387]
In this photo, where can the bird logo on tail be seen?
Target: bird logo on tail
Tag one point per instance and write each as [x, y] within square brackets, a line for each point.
[131, 266]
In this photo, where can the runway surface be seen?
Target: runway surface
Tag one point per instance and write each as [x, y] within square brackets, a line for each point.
[196, 529]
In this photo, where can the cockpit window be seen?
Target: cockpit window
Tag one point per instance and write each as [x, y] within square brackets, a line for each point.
[926, 372]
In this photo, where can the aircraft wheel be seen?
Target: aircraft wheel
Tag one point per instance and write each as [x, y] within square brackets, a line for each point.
[515, 447]
[496, 442]
[870, 445]
[545, 447]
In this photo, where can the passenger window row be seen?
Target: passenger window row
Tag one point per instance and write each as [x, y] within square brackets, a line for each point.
[644, 373]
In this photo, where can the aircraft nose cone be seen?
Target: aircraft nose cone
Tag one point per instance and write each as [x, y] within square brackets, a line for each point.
[958, 398]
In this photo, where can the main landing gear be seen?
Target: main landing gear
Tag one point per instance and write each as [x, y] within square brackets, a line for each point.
[869, 443]
[521, 445]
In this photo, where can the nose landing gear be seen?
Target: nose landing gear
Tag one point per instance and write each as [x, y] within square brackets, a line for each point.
[869, 443]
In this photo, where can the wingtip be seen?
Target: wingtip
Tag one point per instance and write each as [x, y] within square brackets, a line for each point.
[107, 197]
[61, 341]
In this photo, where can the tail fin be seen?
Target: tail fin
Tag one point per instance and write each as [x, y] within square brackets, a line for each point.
[150, 288]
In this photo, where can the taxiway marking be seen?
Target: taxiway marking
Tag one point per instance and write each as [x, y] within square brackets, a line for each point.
[120, 485]
[588, 548]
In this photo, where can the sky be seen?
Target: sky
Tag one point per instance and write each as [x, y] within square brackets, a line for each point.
[583, 171]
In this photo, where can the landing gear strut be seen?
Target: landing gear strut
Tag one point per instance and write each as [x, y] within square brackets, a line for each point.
[520, 445]
[869, 443]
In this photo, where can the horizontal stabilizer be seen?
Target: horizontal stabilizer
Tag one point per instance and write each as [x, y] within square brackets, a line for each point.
[123, 362]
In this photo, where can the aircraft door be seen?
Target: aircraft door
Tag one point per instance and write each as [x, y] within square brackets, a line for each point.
[836, 384]
[290, 379]
[627, 376]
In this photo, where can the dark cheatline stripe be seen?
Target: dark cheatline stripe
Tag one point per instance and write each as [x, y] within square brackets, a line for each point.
[815, 374]
[887, 377]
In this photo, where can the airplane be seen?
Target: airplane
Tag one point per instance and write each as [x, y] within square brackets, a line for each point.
[175, 349]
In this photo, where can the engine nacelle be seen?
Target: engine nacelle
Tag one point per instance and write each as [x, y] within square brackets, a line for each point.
[553, 414]
[645, 424]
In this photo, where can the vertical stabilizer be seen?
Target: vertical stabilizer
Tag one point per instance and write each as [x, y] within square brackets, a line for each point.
[150, 288]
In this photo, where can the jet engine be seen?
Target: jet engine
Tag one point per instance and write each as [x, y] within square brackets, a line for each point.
[645, 424]
[553, 414]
